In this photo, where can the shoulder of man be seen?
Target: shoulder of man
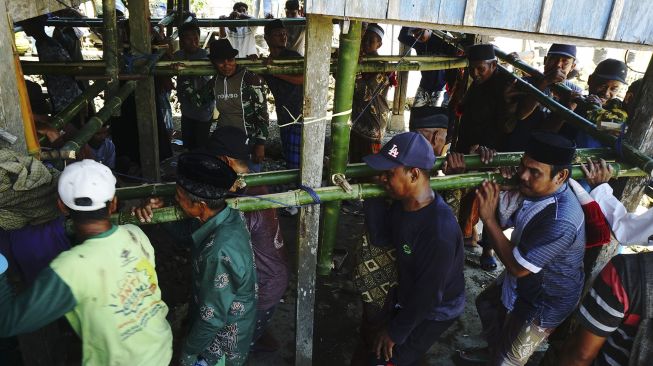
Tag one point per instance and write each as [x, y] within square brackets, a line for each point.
[252, 79]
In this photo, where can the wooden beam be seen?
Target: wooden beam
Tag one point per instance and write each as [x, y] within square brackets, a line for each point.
[545, 15]
[139, 38]
[470, 12]
[615, 18]
[399, 100]
[318, 48]
[12, 134]
[640, 135]
[110, 49]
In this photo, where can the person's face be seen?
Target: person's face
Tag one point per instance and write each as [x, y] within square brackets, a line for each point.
[277, 38]
[422, 35]
[370, 43]
[189, 41]
[566, 64]
[535, 178]
[225, 67]
[604, 89]
[292, 13]
[189, 207]
[437, 137]
[241, 10]
[398, 182]
[481, 71]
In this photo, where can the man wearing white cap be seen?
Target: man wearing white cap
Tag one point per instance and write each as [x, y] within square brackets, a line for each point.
[106, 286]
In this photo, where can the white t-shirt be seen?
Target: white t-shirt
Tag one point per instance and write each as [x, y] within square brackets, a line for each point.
[243, 40]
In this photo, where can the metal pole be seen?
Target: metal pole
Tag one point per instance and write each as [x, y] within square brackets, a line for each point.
[342, 102]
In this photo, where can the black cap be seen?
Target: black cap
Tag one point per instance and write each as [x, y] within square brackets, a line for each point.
[428, 117]
[565, 50]
[550, 148]
[481, 52]
[275, 24]
[611, 69]
[204, 175]
[229, 141]
[222, 49]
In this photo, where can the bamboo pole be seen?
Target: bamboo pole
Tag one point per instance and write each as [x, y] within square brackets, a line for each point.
[63, 117]
[205, 22]
[93, 124]
[110, 48]
[630, 153]
[359, 191]
[359, 170]
[286, 66]
[342, 101]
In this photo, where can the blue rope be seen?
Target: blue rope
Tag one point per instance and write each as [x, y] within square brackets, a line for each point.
[618, 146]
[129, 61]
[309, 190]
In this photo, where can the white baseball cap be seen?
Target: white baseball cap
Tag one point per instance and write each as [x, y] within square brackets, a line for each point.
[87, 180]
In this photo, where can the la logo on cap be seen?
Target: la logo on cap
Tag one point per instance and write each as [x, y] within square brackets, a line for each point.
[393, 152]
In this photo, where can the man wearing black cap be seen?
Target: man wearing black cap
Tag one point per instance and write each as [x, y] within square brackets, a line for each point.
[543, 258]
[431, 90]
[240, 97]
[603, 85]
[370, 110]
[267, 240]
[223, 315]
[288, 94]
[560, 60]
[487, 115]
[423, 230]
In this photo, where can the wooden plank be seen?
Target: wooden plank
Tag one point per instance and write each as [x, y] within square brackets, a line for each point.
[470, 12]
[545, 15]
[432, 11]
[139, 38]
[318, 47]
[615, 18]
[635, 24]
[331, 7]
[11, 118]
[373, 8]
[583, 18]
[523, 15]
[21, 9]
[640, 135]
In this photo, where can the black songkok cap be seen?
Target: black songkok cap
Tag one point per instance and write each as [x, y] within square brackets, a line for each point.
[229, 141]
[428, 117]
[204, 175]
[549, 148]
[611, 69]
[481, 52]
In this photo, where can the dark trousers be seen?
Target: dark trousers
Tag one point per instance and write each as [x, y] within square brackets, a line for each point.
[195, 133]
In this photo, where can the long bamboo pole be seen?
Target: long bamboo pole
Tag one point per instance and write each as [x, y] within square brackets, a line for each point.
[291, 66]
[359, 191]
[93, 124]
[110, 48]
[359, 170]
[342, 101]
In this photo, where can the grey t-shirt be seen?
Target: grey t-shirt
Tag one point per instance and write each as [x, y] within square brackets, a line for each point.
[189, 84]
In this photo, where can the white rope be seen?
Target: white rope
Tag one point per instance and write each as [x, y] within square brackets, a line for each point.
[309, 120]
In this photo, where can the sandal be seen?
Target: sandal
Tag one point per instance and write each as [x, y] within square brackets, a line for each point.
[488, 263]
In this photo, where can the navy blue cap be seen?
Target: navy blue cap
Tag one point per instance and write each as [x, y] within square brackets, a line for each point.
[3, 264]
[408, 149]
[566, 50]
[611, 69]
[481, 52]
[428, 117]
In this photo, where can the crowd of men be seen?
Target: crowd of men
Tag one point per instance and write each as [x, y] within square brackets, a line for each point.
[106, 284]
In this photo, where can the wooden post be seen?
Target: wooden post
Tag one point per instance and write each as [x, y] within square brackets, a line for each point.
[318, 48]
[110, 48]
[139, 38]
[399, 101]
[640, 136]
[12, 134]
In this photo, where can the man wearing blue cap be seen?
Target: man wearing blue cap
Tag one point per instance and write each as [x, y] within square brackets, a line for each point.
[560, 60]
[421, 227]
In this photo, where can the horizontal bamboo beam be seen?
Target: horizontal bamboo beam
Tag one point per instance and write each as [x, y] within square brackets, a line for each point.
[333, 193]
[285, 66]
[206, 22]
[360, 170]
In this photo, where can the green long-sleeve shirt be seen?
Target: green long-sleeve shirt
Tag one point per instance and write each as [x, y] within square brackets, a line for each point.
[224, 290]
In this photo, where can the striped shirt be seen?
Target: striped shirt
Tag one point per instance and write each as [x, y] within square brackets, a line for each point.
[549, 240]
[612, 309]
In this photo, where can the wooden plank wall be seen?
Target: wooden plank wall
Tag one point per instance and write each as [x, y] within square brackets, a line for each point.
[596, 21]
[25, 9]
